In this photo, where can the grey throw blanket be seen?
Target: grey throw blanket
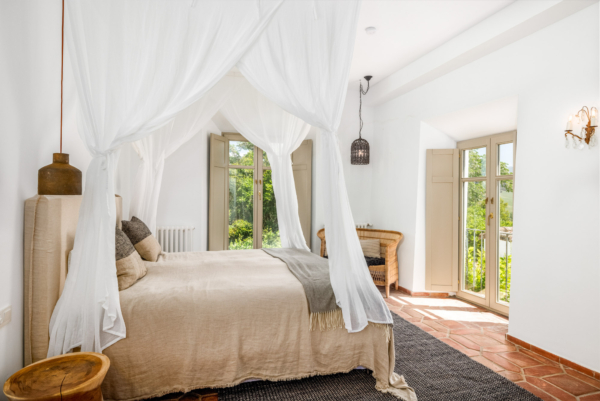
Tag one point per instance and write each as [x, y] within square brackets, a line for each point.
[313, 273]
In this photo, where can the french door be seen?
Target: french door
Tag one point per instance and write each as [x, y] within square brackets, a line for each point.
[486, 219]
[252, 222]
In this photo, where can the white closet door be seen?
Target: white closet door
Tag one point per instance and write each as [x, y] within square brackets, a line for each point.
[442, 211]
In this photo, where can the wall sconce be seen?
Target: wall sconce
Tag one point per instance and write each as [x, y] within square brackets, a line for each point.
[586, 138]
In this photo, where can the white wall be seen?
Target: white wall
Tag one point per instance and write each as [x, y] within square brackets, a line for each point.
[30, 42]
[395, 155]
[183, 197]
[398, 194]
[556, 274]
[184, 193]
[358, 178]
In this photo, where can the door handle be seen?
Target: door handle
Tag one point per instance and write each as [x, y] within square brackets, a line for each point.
[491, 216]
[259, 195]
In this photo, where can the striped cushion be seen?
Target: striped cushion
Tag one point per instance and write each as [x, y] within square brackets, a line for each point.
[130, 266]
[142, 239]
[371, 247]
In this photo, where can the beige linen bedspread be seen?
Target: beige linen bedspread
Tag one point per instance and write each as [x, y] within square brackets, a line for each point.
[216, 319]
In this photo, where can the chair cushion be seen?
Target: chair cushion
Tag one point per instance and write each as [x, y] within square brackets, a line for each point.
[375, 261]
[371, 247]
[370, 261]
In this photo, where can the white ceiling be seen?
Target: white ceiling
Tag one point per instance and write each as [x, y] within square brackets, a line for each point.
[406, 31]
[409, 29]
[481, 120]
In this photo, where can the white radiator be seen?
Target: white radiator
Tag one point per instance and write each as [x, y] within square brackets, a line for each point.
[175, 239]
[365, 225]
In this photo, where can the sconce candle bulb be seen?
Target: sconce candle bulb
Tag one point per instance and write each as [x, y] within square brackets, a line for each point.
[586, 138]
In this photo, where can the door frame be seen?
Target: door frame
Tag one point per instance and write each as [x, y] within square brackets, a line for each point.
[495, 142]
[491, 142]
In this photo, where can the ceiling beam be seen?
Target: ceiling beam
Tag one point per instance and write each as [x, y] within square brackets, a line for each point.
[507, 26]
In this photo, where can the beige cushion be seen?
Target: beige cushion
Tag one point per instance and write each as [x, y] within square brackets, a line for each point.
[141, 237]
[129, 270]
[149, 248]
[371, 247]
[130, 266]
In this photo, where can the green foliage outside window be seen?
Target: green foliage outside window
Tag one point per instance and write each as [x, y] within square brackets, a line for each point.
[475, 258]
[241, 201]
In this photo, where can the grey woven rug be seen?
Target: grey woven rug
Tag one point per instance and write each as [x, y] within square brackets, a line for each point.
[435, 370]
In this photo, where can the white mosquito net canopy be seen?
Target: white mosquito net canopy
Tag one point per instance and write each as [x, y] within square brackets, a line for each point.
[153, 72]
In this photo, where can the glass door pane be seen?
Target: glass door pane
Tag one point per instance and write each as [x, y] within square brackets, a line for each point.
[270, 228]
[241, 153]
[474, 163]
[505, 158]
[241, 208]
[501, 227]
[474, 236]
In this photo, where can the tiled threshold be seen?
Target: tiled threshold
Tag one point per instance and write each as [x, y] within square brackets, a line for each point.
[481, 335]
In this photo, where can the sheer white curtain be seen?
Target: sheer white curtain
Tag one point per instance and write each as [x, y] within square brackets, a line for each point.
[156, 147]
[309, 79]
[278, 133]
[136, 64]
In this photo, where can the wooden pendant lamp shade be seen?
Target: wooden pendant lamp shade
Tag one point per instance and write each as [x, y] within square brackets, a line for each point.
[60, 178]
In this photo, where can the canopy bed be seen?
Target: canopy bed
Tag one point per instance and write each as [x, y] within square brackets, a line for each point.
[198, 319]
[139, 66]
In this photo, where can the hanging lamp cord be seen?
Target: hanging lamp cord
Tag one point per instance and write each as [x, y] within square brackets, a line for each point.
[62, 58]
[360, 106]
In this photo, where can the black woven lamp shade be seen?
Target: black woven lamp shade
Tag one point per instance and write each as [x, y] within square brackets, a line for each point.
[359, 152]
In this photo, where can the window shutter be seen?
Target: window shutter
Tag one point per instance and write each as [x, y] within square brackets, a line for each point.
[302, 166]
[218, 236]
[442, 211]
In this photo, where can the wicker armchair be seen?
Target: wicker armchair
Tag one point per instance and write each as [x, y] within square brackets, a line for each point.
[387, 274]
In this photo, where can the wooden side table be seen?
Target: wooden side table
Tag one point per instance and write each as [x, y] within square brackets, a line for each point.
[76, 376]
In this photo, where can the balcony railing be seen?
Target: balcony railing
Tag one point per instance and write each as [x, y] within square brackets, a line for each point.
[474, 242]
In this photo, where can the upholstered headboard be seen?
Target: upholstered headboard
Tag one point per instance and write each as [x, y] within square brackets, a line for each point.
[49, 233]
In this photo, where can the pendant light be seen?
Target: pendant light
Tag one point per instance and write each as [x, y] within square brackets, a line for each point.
[360, 151]
[60, 178]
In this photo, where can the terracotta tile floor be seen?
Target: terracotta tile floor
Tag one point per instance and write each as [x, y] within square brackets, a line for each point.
[481, 335]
